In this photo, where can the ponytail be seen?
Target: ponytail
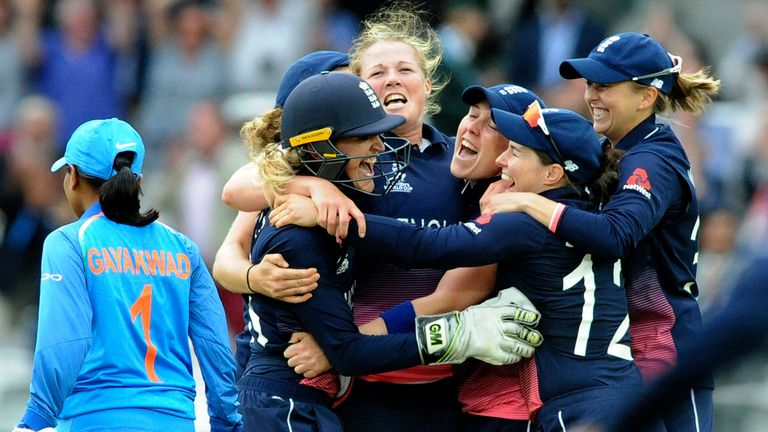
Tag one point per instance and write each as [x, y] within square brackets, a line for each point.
[119, 196]
[691, 93]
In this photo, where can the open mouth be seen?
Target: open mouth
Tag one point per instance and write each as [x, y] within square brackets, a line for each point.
[508, 182]
[467, 150]
[366, 167]
[395, 100]
[599, 113]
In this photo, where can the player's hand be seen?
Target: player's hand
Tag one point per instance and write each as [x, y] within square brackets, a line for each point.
[292, 209]
[495, 188]
[506, 202]
[305, 356]
[272, 278]
[335, 210]
[495, 331]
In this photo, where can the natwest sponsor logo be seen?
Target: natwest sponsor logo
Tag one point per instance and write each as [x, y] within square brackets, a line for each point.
[639, 182]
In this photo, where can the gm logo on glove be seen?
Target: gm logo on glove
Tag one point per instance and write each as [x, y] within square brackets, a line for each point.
[437, 336]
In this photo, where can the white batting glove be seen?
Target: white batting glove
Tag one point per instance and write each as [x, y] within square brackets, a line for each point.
[494, 331]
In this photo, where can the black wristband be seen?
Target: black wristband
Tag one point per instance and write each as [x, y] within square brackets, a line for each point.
[248, 278]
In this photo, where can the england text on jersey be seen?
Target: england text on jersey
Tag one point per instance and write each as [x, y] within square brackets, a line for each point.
[148, 262]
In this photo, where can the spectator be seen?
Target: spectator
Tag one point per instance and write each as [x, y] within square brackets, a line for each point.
[11, 68]
[30, 202]
[77, 60]
[184, 69]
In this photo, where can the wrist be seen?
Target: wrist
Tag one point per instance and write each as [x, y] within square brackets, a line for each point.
[248, 278]
[400, 319]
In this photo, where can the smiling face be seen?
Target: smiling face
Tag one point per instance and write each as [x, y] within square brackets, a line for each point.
[360, 167]
[523, 169]
[393, 70]
[478, 144]
[615, 108]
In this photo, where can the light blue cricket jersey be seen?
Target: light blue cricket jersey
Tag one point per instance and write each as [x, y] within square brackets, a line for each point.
[117, 305]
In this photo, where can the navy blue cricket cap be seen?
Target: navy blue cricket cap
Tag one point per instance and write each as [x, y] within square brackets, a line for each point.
[333, 105]
[94, 145]
[627, 57]
[507, 97]
[305, 67]
[574, 136]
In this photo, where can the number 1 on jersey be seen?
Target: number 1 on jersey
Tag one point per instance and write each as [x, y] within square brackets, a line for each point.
[143, 306]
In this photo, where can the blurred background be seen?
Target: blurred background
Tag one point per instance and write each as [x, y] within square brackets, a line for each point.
[188, 73]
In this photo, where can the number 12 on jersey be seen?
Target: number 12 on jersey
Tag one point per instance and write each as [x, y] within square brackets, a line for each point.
[584, 272]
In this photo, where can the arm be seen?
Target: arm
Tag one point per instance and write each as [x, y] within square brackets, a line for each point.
[630, 215]
[209, 335]
[243, 191]
[486, 240]
[458, 289]
[328, 316]
[64, 334]
[270, 277]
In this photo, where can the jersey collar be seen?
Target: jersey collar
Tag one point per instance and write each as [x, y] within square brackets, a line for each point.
[638, 133]
[92, 210]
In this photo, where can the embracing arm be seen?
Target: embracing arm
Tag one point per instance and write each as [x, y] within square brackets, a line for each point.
[458, 289]
[629, 216]
[244, 192]
[271, 276]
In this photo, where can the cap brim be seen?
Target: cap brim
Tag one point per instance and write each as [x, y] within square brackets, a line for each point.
[515, 128]
[474, 94]
[591, 70]
[386, 124]
[58, 164]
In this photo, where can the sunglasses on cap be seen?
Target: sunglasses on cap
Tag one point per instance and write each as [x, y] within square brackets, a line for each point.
[534, 117]
[677, 66]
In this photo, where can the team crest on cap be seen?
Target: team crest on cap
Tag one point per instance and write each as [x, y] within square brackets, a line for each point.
[606, 43]
[370, 94]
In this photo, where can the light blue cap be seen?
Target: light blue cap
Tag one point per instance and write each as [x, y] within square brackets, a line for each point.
[95, 144]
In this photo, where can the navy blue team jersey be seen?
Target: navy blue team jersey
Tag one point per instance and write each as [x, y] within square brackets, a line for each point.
[327, 315]
[427, 195]
[652, 223]
[581, 298]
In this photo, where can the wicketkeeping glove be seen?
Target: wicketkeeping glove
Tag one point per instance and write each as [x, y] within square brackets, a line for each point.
[497, 331]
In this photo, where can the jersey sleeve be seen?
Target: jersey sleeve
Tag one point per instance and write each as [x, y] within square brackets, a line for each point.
[328, 315]
[648, 187]
[64, 334]
[485, 240]
[208, 331]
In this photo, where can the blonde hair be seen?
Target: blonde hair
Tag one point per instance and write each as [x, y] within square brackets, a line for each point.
[691, 93]
[400, 21]
[275, 166]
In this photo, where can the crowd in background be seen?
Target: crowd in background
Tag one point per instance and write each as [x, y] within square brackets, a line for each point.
[188, 73]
